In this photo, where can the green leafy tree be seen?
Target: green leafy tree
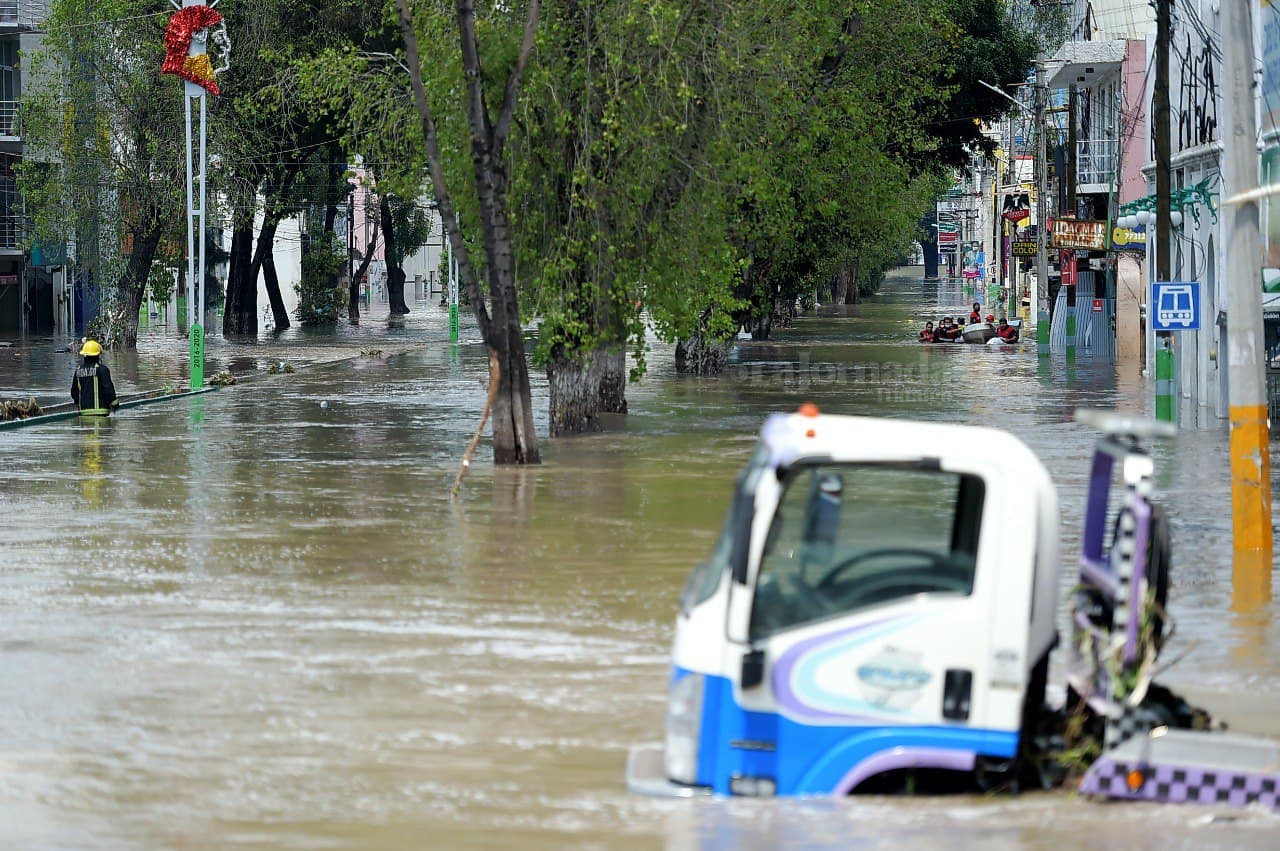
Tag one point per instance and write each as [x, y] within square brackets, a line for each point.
[104, 130]
[321, 299]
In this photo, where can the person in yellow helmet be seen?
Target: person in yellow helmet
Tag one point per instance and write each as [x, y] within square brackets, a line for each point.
[91, 387]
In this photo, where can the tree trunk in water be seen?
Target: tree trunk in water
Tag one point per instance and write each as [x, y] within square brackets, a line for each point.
[264, 259]
[696, 355]
[395, 290]
[514, 438]
[784, 313]
[762, 326]
[840, 287]
[850, 274]
[240, 316]
[575, 392]
[353, 299]
[353, 296]
[279, 313]
[613, 379]
[391, 253]
[133, 283]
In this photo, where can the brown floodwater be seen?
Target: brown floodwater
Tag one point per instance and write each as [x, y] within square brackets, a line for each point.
[253, 620]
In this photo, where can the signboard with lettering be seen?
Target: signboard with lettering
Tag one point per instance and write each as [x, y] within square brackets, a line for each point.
[1129, 239]
[1097, 305]
[1080, 233]
[8, 280]
[1023, 248]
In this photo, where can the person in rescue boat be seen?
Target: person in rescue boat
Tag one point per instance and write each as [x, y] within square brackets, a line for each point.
[91, 387]
[1006, 332]
[949, 333]
[975, 315]
[926, 336]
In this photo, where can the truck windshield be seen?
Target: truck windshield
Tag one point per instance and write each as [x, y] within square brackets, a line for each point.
[705, 578]
[851, 536]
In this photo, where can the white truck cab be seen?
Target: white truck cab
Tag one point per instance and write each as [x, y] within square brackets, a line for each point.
[882, 597]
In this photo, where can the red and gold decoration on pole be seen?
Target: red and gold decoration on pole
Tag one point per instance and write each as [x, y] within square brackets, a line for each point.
[182, 29]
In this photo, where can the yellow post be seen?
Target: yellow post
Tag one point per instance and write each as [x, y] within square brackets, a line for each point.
[1246, 351]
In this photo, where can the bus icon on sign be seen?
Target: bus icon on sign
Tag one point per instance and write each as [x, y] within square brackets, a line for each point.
[1176, 306]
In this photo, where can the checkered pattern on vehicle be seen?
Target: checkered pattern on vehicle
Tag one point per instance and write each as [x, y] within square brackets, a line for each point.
[1109, 778]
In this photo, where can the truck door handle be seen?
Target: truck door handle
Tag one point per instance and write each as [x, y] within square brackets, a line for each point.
[752, 669]
[956, 690]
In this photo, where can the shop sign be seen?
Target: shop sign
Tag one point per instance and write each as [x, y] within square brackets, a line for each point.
[1080, 233]
[1067, 263]
[1129, 239]
[1023, 248]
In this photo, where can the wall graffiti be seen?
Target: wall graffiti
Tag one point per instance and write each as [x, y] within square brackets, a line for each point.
[1197, 100]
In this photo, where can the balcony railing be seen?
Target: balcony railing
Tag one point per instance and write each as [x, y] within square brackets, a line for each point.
[1096, 161]
[9, 118]
[23, 13]
[12, 233]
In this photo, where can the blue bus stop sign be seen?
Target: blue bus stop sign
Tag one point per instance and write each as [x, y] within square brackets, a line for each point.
[1175, 305]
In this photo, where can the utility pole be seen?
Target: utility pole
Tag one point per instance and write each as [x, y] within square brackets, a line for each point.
[1042, 258]
[1164, 227]
[1073, 152]
[1246, 352]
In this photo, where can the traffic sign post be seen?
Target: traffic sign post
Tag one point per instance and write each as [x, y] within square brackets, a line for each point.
[1175, 306]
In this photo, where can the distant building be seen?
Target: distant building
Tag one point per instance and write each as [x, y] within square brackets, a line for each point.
[28, 302]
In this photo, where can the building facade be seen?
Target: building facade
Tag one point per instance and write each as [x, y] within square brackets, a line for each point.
[27, 303]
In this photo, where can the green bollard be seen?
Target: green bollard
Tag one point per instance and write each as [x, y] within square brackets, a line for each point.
[1042, 334]
[1071, 335]
[1164, 383]
[453, 323]
[197, 357]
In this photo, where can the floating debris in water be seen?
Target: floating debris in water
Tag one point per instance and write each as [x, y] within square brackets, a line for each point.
[20, 409]
[324, 404]
[222, 379]
[371, 353]
[279, 367]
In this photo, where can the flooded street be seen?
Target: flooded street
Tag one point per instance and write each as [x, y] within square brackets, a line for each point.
[246, 620]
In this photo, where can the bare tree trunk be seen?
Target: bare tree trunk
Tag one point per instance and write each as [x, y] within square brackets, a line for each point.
[514, 438]
[133, 283]
[784, 312]
[840, 289]
[395, 262]
[264, 261]
[353, 286]
[575, 392]
[613, 379]
[850, 273]
[698, 355]
[240, 315]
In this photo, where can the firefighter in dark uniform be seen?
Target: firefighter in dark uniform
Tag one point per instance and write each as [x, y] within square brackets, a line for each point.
[91, 387]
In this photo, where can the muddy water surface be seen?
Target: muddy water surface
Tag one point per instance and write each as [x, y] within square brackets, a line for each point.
[249, 620]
